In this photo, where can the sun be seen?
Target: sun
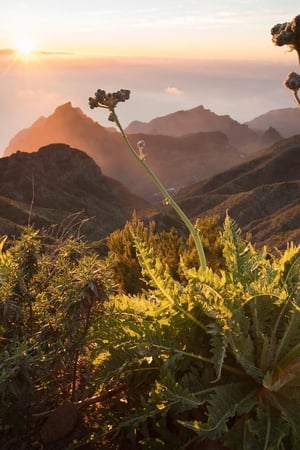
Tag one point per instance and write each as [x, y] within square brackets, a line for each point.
[25, 47]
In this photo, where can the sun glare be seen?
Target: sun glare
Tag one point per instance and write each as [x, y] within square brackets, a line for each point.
[25, 47]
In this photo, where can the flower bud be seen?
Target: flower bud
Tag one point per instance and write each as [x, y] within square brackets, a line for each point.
[293, 81]
[141, 145]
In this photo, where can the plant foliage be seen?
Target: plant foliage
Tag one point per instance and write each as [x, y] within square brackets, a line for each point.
[216, 357]
[195, 356]
[49, 298]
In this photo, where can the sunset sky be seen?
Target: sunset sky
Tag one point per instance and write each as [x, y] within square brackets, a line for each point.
[190, 28]
[171, 54]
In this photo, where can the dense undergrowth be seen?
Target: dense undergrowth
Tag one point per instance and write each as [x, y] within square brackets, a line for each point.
[150, 350]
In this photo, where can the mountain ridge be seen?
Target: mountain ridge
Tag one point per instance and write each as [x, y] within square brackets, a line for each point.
[195, 120]
[262, 195]
[57, 181]
[197, 155]
[285, 120]
[47, 186]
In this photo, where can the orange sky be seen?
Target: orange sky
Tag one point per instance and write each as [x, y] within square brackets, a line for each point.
[168, 28]
[173, 55]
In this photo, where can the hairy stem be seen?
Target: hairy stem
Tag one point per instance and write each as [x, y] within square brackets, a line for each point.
[166, 195]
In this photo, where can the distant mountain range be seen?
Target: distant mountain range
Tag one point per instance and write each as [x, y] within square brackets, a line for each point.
[47, 187]
[192, 145]
[286, 121]
[198, 120]
[210, 162]
[262, 195]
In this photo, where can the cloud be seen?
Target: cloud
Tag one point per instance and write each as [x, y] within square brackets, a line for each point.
[6, 51]
[172, 90]
[46, 53]
[13, 52]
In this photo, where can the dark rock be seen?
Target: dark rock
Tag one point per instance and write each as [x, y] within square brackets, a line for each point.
[48, 186]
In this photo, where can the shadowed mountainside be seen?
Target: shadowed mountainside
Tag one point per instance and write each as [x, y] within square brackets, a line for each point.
[47, 186]
[262, 195]
[177, 161]
[57, 181]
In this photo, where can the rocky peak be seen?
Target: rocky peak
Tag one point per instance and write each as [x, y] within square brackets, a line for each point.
[59, 181]
[195, 120]
[270, 136]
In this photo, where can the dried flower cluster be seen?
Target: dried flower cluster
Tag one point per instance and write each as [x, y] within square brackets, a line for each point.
[109, 100]
[293, 81]
[288, 33]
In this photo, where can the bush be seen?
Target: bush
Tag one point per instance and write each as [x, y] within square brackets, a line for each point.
[168, 245]
[50, 297]
[216, 358]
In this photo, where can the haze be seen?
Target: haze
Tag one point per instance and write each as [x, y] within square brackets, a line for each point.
[172, 55]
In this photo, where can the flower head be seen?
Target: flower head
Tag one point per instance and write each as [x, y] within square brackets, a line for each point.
[109, 100]
[287, 33]
[293, 81]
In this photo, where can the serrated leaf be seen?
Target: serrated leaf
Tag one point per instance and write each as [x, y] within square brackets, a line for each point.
[226, 402]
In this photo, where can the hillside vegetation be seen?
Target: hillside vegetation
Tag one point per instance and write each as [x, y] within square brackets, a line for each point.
[186, 357]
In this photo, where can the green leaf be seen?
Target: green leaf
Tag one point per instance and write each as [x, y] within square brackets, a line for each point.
[227, 401]
[266, 431]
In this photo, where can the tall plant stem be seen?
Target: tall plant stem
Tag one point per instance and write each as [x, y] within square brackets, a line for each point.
[193, 231]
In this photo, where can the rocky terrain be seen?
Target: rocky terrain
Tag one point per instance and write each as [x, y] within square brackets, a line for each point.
[49, 186]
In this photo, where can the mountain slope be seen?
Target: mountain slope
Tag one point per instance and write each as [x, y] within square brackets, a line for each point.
[177, 161]
[196, 120]
[262, 195]
[57, 181]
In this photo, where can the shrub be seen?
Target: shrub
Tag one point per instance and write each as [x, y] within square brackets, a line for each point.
[50, 296]
[216, 358]
[168, 245]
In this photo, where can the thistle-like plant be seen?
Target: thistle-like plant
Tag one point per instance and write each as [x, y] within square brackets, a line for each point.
[110, 101]
[288, 33]
[215, 358]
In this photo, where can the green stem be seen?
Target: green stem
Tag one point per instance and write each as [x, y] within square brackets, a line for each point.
[167, 196]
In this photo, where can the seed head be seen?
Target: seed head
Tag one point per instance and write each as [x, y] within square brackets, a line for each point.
[292, 81]
[287, 33]
[109, 100]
